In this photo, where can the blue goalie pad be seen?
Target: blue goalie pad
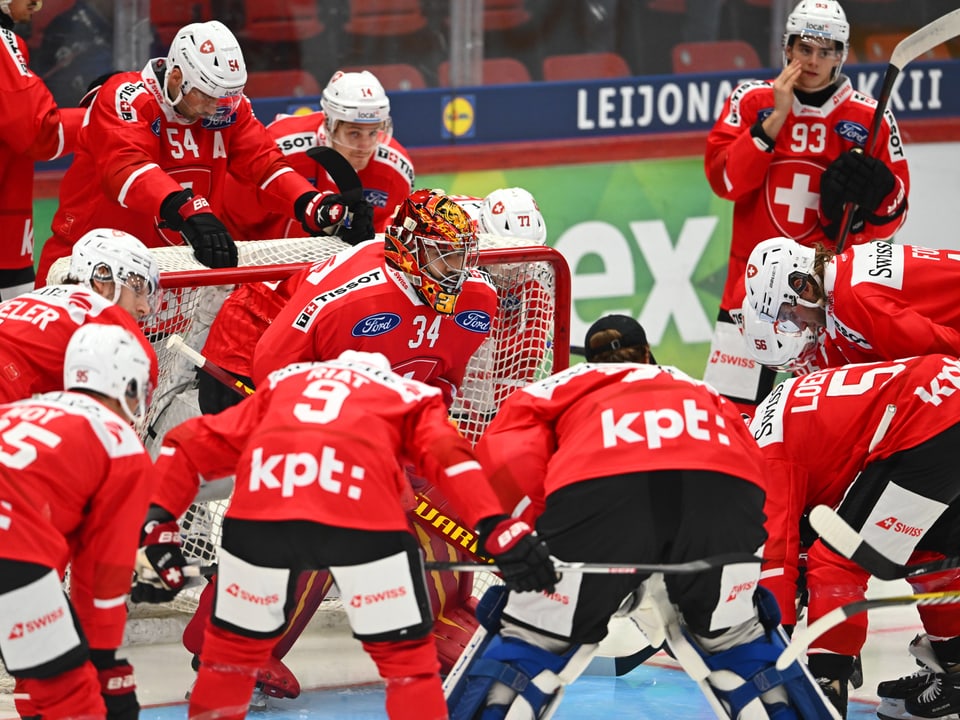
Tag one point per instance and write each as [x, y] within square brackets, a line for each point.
[489, 610]
[755, 663]
[510, 662]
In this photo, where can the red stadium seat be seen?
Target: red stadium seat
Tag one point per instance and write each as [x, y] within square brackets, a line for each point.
[503, 15]
[393, 76]
[584, 66]
[714, 56]
[384, 17]
[287, 21]
[878, 47]
[169, 16]
[495, 71]
[281, 83]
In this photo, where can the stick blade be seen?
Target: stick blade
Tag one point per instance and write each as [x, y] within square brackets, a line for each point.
[340, 170]
[835, 531]
[926, 38]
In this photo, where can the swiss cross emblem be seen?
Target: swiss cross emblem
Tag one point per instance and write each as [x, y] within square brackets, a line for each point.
[751, 270]
[335, 212]
[207, 47]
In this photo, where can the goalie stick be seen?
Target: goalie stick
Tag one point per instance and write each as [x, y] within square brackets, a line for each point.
[340, 171]
[837, 533]
[906, 51]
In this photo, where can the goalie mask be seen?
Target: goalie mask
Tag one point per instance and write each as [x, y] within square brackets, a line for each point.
[512, 212]
[116, 256]
[777, 271]
[822, 23]
[111, 361]
[210, 59]
[434, 243]
[358, 98]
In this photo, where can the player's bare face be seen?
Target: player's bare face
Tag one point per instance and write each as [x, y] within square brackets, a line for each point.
[135, 298]
[197, 104]
[818, 62]
[356, 142]
[22, 10]
[797, 318]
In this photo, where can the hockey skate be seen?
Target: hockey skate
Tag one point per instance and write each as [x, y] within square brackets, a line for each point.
[940, 699]
[893, 693]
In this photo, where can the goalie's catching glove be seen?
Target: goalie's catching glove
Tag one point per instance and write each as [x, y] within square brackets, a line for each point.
[523, 558]
[191, 217]
[321, 214]
[117, 685]
[160, 562]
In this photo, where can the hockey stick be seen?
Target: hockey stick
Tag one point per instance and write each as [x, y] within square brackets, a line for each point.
[803, 638]
[837, 533]
[340, 171]
[176, 343]
[907, 50]
[694, 566]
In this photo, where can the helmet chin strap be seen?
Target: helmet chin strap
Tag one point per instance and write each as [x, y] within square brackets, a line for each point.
[166, 89]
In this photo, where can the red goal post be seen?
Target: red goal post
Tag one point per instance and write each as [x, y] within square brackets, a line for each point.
[529, 340]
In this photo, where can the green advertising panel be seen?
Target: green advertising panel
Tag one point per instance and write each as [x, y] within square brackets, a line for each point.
[644, 238]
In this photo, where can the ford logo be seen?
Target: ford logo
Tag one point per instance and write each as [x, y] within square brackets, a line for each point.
[473, 320]
[854, 132]
[374, 325]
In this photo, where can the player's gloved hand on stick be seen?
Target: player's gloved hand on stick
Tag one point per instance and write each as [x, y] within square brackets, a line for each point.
[191, 216]
[321, 214]
[160, 562]
[117, 685]
[857, 178]
[358, 226]
[523, 558]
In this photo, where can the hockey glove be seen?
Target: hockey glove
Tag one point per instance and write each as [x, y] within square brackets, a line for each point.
[160, 562]
[117, 685]
[358, 226]
[320, 214]
[856, 178]
[523, 558]
[203, 231]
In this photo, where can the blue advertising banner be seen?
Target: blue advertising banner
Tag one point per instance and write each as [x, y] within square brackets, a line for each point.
[621, 106]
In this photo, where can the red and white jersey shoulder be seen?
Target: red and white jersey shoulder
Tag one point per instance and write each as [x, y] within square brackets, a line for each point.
[387, 180]
[881, 302]
[32, 128]
[796, 430]
[134, 150]
[593, 421]
[34, 331]
[354, 301]
[778, 193]
[323, 442]
[74, 487]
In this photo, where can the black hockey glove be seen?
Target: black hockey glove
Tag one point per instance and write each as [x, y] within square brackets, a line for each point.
[857, 178]
[203, 231]
[523, 558]
[117, 685]
[358, 226]
[320, 214]
[160, 562]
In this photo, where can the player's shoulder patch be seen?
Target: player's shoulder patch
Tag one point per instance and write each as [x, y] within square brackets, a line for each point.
[126, 99]
[12, 47]
[396, 159]
[296, 142]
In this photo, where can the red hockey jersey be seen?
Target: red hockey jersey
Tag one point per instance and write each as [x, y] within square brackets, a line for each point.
[387, 181]
[325, 442]
[354, 301]
[74, 487]
[891, 301]
[778, 193]
[31, 128]
[34, 331]
[134, 150]
[796, 428]
[597, 420]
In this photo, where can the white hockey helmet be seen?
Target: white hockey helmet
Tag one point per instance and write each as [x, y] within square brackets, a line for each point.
[356, 97]
[109, 360]
[819, 22]
[777, 271]
[116, 256]
[512, 212]
[211, 61]
[788, 352]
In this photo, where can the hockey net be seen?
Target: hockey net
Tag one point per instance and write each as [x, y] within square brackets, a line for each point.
[529, 340]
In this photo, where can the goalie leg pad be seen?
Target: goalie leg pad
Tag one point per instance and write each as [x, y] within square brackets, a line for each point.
[514, 679]
[488, 613]
[755, 663]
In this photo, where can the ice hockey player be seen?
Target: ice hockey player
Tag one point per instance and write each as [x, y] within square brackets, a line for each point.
[353, 424]
[894, 482]
[32, 128]
[787, 153]
[153, 156]
[873, 300]
[113, 279]
[75, 484]
[622, 461]
[354, 120]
